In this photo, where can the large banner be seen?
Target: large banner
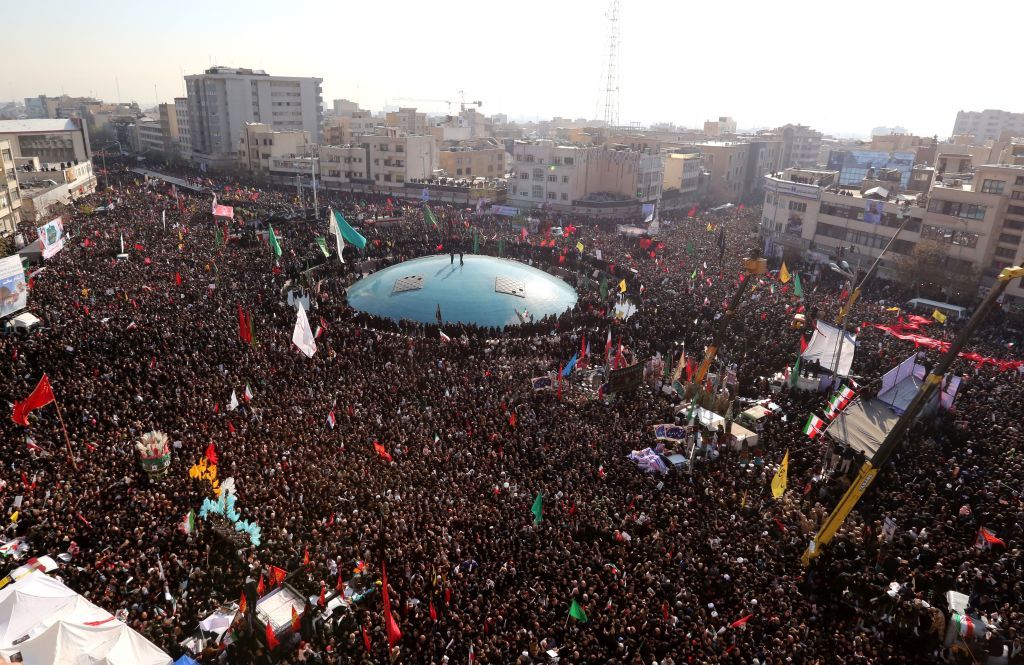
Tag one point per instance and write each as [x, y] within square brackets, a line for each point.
[51, 236]
[626, 379]
[13, 294]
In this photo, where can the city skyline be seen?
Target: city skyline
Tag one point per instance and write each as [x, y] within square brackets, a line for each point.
[523, 70]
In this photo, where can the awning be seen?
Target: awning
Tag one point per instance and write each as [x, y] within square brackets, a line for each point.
[824, 346]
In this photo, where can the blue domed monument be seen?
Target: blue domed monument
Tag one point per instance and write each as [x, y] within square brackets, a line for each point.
[484, 290]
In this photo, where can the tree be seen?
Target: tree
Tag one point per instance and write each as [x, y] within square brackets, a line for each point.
[930, 271]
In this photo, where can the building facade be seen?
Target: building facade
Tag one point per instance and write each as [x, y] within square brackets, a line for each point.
[48, 185]
[50, 140]
[183, 149]
[387, 159]
[10, 194]
[682, 176]
[988, 124]
[800, 146]
[977, 229]
[721, 127]
[259, 145]
[222, 99]
[149, 137]
[485, 158]
[408, 120]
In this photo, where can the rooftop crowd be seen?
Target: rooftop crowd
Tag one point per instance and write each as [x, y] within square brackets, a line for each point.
[662, 568]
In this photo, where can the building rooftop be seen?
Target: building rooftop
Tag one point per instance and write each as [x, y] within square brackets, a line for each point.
[31, 125]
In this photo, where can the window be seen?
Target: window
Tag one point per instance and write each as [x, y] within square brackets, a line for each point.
[565, 180]
[1015, 210]
[551, 195]
[524, 176]
[538, 174]
[1006, 252]
[956, 209]
[469, 171]
[1019, 180]
[1014, 224]
[538, 192]
[993, 186]
[565, 197]
[568, 161]
[798, 206]
[1012, 239]
[459, 172]
[1018, 195]
[552, 177]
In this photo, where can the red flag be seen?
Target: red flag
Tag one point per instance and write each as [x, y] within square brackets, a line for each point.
[322, 601]
[278, 575]
[433, 612]
[512, 420]
[394, 634]
[366, 639]
[271, 638]
[340, 586]
[211, 453]
[40, 397]
[243, 605]
[803, 344]
[305, 557]
[447, 596]
[177, 278]
[739, 622]
[231, 427]
[261, 588]
[243, 326]
[382, 451]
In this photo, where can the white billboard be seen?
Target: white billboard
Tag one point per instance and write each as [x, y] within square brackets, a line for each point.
[13, 292]
[51, 236]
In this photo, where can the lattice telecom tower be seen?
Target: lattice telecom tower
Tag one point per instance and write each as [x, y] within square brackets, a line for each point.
[611, 87]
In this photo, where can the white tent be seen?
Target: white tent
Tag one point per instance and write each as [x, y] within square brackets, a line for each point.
[824, 346]
[110, 643]
[27, 603]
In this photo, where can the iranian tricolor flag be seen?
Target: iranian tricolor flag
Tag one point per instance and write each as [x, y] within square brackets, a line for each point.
[247, 394]
[845, 396]
[835, 405]
[814, 426]
[444, 338]
[330, 419]
[986, 539]
[965, 625]
[188, 525]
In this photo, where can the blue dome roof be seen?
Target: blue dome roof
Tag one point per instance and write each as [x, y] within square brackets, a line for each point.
[485, 291]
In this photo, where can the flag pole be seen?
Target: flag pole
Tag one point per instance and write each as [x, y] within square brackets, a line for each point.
[63, 427]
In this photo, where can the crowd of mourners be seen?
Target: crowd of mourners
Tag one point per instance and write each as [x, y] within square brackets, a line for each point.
[662, 567]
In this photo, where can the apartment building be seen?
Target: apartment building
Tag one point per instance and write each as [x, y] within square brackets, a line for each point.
[183, 149]
[221, 100]
[341, 130]
[149, 137]
[260, 145]
[388, 158]
[483, 158]
[682, 176]
[408, 120]
[721, 127]
[988, 124]
[801, 146]
[44, 186]
[10, 194]
[979, 227]
[573, 177]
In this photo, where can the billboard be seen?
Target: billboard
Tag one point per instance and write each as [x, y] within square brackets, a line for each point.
[51, 237]
[13, 294]
[873, 211]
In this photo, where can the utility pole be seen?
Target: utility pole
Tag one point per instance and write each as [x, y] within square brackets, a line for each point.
[869, 470]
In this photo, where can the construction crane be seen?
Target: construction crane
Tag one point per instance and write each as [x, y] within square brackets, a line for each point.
[462, 101]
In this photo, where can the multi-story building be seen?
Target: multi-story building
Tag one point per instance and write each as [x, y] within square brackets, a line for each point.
[183, 149]
[169, 128]
[340, 130]
[259, 145]
[149, 137]
[408, 120]
[988, 124]
[10, 194]
[575, 178]
[44, 186]
[388, 158]
[51, 140]
[682, 179]
[726, 163]
[721, 127]
[222, 100]
[800, 146]
[344, 107]
[978, 228]
[856, 165]
[483, 158]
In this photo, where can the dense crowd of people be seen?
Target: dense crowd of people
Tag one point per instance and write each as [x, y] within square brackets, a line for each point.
[699, 567]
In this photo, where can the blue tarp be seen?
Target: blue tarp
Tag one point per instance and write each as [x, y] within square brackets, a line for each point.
[186, 660]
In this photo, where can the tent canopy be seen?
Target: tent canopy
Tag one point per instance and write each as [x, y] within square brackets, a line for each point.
[110, 643]
[29, 602]
[863, 426]
[824, 346]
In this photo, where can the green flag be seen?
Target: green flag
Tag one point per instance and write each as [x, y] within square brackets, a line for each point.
[693, 275]
[428, 215]
[352, 236]
[476, 241]
[322, 243]
[668, 367]
[689, 248]
[274, 245]
[794, 378]
[604, 288]
[218, 236]
[537, 510]
[798, 289]
[501, 247]
[576, 612]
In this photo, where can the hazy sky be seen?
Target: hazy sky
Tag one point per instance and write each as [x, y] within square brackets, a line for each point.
[840, 67]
